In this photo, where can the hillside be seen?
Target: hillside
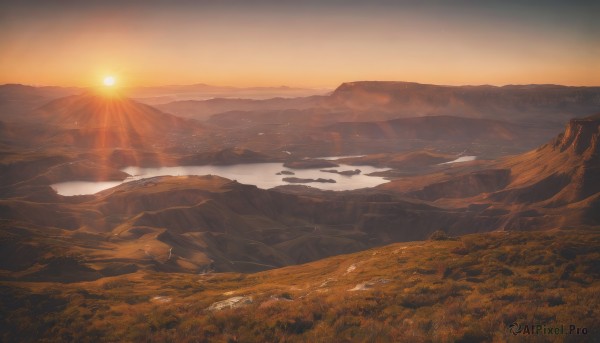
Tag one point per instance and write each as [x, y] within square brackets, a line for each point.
[17, 100]
[376, 117]
[204, 109]
[109, 121]
[196, 223]
[470, 289]
[192, 224]
[440, 128]
[566, 168]
[554, 185]
[533, 104]
[158, 258]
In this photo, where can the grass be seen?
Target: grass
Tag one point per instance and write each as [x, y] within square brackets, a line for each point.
[462, 290]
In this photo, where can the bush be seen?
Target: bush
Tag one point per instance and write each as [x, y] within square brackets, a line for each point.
[439, 235]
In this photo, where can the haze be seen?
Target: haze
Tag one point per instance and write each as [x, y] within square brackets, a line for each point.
[307, 44]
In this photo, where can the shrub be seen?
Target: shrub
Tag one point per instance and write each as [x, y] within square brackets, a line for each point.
[439, 235]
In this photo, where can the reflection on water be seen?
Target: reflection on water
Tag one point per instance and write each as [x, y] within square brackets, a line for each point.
[263, 175]
[461, 159]
[332, 158]
[83, 187]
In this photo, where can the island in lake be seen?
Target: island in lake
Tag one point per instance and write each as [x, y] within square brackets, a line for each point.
[300, 180]
[344, 172]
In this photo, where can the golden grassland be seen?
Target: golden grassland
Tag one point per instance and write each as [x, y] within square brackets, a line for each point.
[467, 289]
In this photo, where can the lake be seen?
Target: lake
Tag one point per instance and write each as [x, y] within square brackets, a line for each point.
[462, 159]
[263, 175]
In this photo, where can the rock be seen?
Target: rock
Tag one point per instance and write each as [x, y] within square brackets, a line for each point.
[234, 302]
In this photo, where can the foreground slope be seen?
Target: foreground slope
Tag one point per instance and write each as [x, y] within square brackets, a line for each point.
[469, 289]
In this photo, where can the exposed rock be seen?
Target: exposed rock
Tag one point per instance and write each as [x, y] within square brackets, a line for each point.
[231, 303]
[162, 299]
[363, 286]
[580, 135]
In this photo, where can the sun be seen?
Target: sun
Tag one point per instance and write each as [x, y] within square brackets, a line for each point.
[109, 81]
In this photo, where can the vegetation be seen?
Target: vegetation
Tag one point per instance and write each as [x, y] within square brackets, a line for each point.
[463, 290]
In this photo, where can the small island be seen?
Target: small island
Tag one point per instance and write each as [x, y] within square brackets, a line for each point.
[285, 172]
[310, 164]
[299, 180]
[345, 172]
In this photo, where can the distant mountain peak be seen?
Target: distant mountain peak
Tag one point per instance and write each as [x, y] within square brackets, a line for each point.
[110, 120]
[582, 136]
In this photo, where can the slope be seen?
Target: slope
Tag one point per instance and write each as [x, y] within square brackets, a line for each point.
[554, 185]
[470, 289]
[104, 121]
[191, 224]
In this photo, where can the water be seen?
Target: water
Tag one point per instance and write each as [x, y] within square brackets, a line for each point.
[461, 159]
[332, 158]
[83, 187]
[263, 175]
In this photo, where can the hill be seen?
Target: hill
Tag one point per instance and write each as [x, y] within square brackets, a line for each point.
[440, 128]
[17, 100]
[358, 117]
[470, 289]
[199, 92]
[533, 104]
[554, 185]
[196, 223]
[204, 109]
[101, 121]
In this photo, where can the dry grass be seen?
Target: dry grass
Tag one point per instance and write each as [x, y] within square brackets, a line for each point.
[465, 290]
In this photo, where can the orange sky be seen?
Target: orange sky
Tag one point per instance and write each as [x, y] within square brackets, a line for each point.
[314, 44]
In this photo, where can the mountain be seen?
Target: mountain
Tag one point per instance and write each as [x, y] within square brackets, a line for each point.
[359, 117]
[555, 185]
[537, 105]
[561, 172]
[165, 94]
[24, 93]
[433, 128]
[203, 110]
[195, 223]
[533, 104]
[204, 258]
[109, 121]
[17, 100]
[199, 223]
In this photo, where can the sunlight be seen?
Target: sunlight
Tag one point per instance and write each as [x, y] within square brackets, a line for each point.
[109, 81]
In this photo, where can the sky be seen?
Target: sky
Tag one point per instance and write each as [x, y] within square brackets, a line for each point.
[309, 43]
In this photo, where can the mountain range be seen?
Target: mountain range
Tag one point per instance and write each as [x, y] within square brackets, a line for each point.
[487, 203]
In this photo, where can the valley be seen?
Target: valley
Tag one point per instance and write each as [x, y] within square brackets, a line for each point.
[333, 202]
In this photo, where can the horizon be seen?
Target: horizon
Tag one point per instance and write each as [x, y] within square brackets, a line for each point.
[291, 87]
[302, 45]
